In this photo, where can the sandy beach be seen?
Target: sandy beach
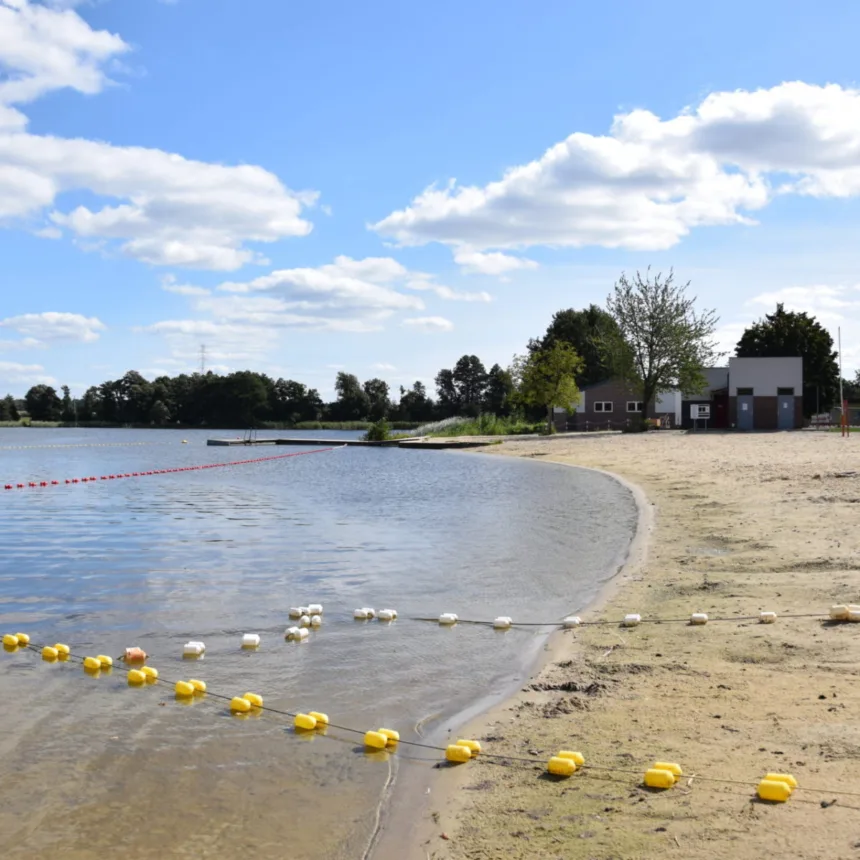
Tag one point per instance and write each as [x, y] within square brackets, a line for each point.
[740, 524]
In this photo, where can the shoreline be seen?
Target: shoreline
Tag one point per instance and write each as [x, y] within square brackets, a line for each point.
[742, 524]
[399, 837]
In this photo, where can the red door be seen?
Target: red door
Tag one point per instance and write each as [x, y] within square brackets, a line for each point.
[720, 418]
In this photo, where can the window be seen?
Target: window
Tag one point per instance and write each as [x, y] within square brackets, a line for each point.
[745, 392]
[602, 405]
[634, 406]
[787, 391]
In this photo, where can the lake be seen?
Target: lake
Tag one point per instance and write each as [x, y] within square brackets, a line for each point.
[96, 768]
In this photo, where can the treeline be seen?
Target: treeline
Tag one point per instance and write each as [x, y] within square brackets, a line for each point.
[631, 339]
[249, 399]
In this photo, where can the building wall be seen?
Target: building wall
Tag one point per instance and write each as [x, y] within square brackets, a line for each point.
[717, 378]
[618, 393]
[765, 375]
[765, 411]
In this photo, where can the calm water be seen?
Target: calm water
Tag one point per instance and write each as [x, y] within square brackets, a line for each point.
[100, 769]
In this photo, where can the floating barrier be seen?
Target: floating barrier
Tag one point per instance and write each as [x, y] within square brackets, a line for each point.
[699, 618]
[305, 722]
[503, 622]
[387, 614]
[49, 654]
[767, 617]
[68, 481]
[773, 787]
[251, 640]
[132, 655]
[193, 649]
[632, 620]
[292, 633]
[316, 620]
[571, 621]
[448, 618]
[314, 609]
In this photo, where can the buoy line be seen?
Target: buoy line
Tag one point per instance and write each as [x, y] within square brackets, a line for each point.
[55, 483]
[80, 445]
[773, 787]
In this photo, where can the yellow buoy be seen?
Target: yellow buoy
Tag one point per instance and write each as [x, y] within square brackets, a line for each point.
[787, 778]
[62, 649]
[184, 441]
[104, 660]
[774, 790]
[576, 757]
[305, 722]
[659, 778]
[254, 699]
[392, 735]
[559, 766]
[474, 746]
[184, 689]
[136, 677]
[92, 663]
[322, 719]
[673, 768]
[457, 753]
[23, 638]
[150, 672]
[375, 740]
[50, 654]
[10, 640]
[199, 686]
[240, 705]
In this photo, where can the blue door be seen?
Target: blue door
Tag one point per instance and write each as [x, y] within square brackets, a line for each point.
[785, 414]
[745, 412]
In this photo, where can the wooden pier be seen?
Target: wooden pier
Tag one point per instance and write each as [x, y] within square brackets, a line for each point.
[413, 443]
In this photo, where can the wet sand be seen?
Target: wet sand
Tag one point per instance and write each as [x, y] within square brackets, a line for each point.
[740, 524]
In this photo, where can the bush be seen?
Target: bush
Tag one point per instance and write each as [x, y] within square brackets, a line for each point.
[378, 432]
[486, 424]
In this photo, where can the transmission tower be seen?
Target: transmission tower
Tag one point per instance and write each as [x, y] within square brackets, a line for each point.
[202, 358]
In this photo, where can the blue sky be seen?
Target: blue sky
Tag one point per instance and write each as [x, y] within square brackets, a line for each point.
[382, 187]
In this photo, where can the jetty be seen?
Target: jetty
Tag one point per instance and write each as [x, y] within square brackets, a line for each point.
[414, 443]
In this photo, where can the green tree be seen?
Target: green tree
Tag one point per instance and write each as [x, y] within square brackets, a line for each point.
[851, 389]
[43, 404]
[786, 333]
[547, 378]
[449, 397]
[414, 404]
[500, 388]
[90, 405]
[659, 341]
[470, 378]
[68, 413]
[159, 414]
[352, 403]
[377, 395]
[12, 408]
[5, 411]
[583, 330]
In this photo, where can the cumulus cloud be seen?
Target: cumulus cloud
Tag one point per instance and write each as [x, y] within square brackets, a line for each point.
[426, 282]
[159, 207]
[13, 373]
[50, 327]
[494, 263]
[648, 182]
[428, 324]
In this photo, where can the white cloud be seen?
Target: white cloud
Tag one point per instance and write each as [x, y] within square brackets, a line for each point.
[426, 282]
[647, 183]
[168, 284]
[12, 373]
[381, 365]
[429, 324]
[494, 263]
[159, 207]
[39, 329]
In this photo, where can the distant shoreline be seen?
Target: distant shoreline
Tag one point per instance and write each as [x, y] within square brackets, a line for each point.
[267, 425]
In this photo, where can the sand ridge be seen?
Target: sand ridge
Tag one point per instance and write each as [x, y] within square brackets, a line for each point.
[742, 523]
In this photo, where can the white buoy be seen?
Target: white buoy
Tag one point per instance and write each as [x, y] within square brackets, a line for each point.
[250, 640]
[840, 612]
[371, 613]
[572, 621]
[503, 622]
[360, 614]
[296, 612]
[767, 617]
[304, 610]
[305, 621]
[632, 619]
[292, 633]
[315, 609]
[448, 618]
[303, 634]
[854, 613]
[316, 620]
[699, 618]
[193, 649]
[386, 615]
